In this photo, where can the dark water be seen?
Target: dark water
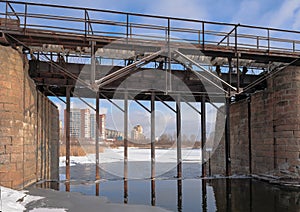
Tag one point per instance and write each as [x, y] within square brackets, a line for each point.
[189, 194]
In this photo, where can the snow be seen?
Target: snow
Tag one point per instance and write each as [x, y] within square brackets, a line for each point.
[48, 210]
[135, 154]
[12, 200]
[50, 201]
[139, 161]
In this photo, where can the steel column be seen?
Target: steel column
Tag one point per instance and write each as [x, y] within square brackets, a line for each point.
[125, 147]
[152, 135]
[178, 131]
[249, 136]
[93, 63]
[97, 125]
[203, 135]
[67, 130]
[227, 138]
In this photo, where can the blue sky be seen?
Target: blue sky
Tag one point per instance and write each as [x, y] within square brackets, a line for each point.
[267, 13]
[272, 13]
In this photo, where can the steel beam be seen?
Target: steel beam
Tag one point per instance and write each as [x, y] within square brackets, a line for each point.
[152, 135]
[227, 138]
[93, 63]
[97, 125]
[68, 144]
[124, 71]
[203, 135]
[178, 131]
[206, 71]
[125, 137]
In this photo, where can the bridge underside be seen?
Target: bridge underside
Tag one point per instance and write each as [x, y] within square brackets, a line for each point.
[50, 78]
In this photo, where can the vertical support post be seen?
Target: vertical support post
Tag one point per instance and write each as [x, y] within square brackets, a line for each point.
[152, 135]
[178, 131]
[93, 62]
[67, 130]
[203, 135]
[238, 72]
[97, 135]
[227, 138]
[125, 147]
[153, 148]
[249, 135]
[37, 136]
[230, 73]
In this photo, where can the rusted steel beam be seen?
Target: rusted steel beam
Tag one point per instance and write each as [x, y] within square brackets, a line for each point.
[68, 136]
[178, 132]
[97, 125]
[152, 135]
[203, 136]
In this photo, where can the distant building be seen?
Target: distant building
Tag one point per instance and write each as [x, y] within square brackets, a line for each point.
[137, 133]
[83, 124]
[114, 134]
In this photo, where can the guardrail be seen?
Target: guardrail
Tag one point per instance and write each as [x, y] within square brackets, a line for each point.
[96, 22]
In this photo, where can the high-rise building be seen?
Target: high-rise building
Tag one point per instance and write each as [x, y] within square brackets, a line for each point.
[75, 122]
[137, 133]
[83, 124]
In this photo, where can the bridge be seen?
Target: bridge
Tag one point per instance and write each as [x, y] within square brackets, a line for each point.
[103, 54]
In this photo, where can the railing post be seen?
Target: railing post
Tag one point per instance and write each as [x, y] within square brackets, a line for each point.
[169, 31]
[294, 46]
[257, 42]
[228, 40]
[127, 25]
[235, 38]
[203, 41]
[6, 12]
[268, 39]
[85, 24]
[25, 18]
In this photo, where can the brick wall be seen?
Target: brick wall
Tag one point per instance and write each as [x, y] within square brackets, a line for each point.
[29, 128]
[275, 130]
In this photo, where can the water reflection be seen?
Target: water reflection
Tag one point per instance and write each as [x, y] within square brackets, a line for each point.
[191, 194]
[179, 195]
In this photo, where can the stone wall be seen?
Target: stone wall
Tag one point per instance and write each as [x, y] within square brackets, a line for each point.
[274, 115]
[29, 127]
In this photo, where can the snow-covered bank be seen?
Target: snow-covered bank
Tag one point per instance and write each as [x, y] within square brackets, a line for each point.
[14, 201]
[135, 154]
[139, 161]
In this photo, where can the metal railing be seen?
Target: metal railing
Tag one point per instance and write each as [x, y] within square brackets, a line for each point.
[90, 23]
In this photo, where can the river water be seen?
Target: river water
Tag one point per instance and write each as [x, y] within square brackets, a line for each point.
[189, 194]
